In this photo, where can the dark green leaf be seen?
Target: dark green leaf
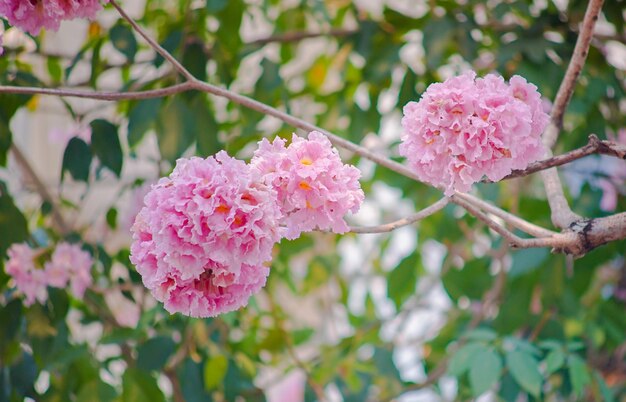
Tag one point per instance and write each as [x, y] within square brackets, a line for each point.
[77, 159]
[402, 280]
[105, 143]
[138, 386]
[141, 118]
[123, 39]
[153, 354]
[13, 226]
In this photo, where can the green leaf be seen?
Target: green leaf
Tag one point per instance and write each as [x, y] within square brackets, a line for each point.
[214, 6]
[527, 260]
[605, 391]
[111, 218]
[123, 39]
[195, 59]
[54, 69]
[13, 226]
[461, 360]
[77, 159]
[190, 375]
[554, 360]
[141, 118]
[485, 369]
[578, 374]
[215, 370]
[153, 354]
[482, 334]
[525, 370]
[472, 280]
[105, 143]
[96, 390]
[402, 280]
[138, 386]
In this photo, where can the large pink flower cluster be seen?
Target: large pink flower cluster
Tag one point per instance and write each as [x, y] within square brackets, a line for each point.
[202, 241]
[32, 15]
[68, 264]
[315, 189]
[204, 238]
[466, 128]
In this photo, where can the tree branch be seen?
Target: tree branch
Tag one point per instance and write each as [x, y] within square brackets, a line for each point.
[300, 35]
[388, 227]
[21, 160]
[575, 66]
[105, 96]
[594, 146]
[562, 215]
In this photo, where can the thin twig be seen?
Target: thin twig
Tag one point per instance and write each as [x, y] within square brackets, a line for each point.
[594, 146]
[301, 35]
[388, 227]
[106, 96]
[21, 160]
[507, 217]
[575, 66]
[154, 44]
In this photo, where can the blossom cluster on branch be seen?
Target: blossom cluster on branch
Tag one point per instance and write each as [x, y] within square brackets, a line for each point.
[68, 264]
[33, 15]
[205, 235]
[466, 128]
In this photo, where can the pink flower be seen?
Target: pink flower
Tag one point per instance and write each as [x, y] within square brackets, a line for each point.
[32, 15]
[315, 189]
[70, 263]
[289, 389]
[28, 279]
[1, 48]
[202, 240]
[467, 128]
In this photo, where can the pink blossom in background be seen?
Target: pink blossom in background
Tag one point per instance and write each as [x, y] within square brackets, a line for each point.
[289, 389]
[204, 236]
[33, 15]
[63, 136]
[29, 279]
[466, 128]
[315, 189]
[132, 207]
[70, 263]
[1, 48]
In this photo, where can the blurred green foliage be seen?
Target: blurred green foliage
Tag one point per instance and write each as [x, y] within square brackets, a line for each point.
[516, 322]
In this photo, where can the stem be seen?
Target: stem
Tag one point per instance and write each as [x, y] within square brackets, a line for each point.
[21, 160]
[106, 96]
[154, 44]
[594, 146]
[298, 36]
[388, 227]
[576, 64]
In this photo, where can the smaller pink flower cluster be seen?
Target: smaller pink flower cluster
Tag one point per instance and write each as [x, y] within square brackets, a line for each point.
[68, 263]
[32, 15]
[466, 128]
[204, 238]
[315, 189]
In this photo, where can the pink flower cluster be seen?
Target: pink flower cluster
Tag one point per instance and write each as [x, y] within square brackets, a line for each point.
[202, 241]
[68, 264]
[466, 128]
[204, 238]
[32, 15]
[315, 189]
